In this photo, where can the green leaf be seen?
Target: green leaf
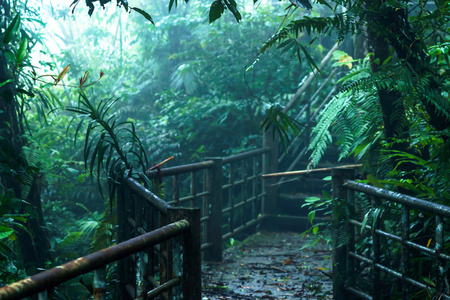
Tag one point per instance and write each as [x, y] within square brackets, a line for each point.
[324, 3]
[22, 53]
[171, 4]
[366, 219]
[376, 214]
[5, 249]
[21, 218]
[374, 181]
[144, 13]
[70, 238]
[216, 10]
[315, 230]
[232, 6]
[125, 5]
[28, 93]
[429, 281]
[11, 30]
[285, 43]
[302, 3]
[5, 232]
[6, 82]
[10, 56]
[310, 60]
[281, 124]
[311, 216]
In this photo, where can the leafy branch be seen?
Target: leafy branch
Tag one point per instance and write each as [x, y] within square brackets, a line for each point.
[282, 124]
[109, 145]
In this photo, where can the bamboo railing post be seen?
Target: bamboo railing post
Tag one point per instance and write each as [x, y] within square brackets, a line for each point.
[124, 232]
[100, 283]
[270, 165]
[191, 277]
[405, 251]
[439, 247]
[231, 193]
[205, 203]
[351, 263]
[340, 251]
[376, 250]
[214, 236]
[140, 265]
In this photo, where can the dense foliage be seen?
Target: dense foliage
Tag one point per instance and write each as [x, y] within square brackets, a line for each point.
[392, 112]
[176, 85]
[179, 85]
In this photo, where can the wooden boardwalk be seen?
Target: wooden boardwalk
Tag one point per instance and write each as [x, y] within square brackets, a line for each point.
[270, 266]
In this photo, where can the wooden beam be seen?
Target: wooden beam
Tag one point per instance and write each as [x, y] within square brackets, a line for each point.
[301, 172]
[308, 81]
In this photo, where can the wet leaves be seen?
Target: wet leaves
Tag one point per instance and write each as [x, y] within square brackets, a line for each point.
[270, 266]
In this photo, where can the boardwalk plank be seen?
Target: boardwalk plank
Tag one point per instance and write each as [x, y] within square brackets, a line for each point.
[270, 266]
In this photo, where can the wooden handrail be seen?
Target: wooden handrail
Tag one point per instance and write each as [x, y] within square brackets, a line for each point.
[301, 172]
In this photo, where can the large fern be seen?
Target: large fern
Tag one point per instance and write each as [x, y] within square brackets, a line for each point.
[354, 115]
[349, 116]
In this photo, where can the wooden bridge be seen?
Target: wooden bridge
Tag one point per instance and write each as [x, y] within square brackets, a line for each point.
[161, 243]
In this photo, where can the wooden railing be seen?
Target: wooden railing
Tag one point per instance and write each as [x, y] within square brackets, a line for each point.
[160, 241]
[360, 267]
[229, 192]
[185, 224]
[158, 268]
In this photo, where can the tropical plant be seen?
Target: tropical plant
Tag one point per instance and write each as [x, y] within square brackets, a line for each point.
[392, 109]
[181, 70]
[392, 94]
[10, 218]
[20, 174]
[110, 146]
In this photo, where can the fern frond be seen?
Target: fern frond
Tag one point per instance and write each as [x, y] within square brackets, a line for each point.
[350, 116]
[103, 235]
[286, 38]
[441, 103]
[321, 134]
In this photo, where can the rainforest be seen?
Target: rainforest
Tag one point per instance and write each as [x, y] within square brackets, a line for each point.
[198, 133]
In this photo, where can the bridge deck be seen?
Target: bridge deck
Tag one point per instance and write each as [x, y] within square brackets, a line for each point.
[270, 266]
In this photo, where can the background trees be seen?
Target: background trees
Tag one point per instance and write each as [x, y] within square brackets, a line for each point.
[181, 83]
[21, 217]
[395, 96]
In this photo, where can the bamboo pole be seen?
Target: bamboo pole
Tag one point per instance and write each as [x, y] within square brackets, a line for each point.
[308, 81]
[294, 173]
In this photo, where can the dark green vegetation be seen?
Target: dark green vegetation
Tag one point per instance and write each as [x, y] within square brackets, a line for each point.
[179, 90]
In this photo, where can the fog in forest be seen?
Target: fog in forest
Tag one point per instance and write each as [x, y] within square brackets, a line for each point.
[116, 117]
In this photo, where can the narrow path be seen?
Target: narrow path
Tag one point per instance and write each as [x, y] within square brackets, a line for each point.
[270, 266]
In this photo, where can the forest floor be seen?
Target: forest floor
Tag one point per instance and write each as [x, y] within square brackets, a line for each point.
[269, 266]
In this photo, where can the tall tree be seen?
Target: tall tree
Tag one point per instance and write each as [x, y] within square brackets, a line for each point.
[402, 74]
[17, 173]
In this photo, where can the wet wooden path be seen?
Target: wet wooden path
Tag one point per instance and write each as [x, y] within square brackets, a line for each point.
[270, 266]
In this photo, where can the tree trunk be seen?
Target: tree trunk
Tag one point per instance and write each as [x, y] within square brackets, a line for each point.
[34, 244]
[16, 175]
[396, 124]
